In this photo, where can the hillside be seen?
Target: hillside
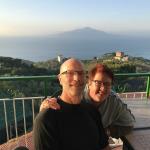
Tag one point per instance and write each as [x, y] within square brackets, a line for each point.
[18, 67]
[134, 64]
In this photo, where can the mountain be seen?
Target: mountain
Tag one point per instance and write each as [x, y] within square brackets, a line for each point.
[83, 33]
[82, 43]
[88, 42]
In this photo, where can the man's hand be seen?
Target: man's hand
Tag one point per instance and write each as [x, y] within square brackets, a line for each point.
[49, 103]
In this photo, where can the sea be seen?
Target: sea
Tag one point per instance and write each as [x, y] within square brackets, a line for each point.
[42, 49]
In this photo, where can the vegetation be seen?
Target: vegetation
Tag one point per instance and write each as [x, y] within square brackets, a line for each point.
[18, 67]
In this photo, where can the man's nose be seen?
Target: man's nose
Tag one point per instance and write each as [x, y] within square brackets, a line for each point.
[76, 76]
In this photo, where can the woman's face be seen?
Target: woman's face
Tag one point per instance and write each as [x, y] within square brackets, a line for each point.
[100, 87]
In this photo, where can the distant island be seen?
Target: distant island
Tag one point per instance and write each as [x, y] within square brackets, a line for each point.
[82, 43]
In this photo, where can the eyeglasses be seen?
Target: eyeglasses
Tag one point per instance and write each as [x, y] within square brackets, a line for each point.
[100, 83]
[71, 73]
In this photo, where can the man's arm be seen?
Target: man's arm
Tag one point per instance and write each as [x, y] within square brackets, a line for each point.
[45, 132]
[107, 148]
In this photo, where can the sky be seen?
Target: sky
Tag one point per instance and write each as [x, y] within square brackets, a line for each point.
[44, 17]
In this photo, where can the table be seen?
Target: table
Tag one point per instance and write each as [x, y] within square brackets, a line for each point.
[139, 138]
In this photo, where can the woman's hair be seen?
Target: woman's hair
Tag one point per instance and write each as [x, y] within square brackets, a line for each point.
[100, 68]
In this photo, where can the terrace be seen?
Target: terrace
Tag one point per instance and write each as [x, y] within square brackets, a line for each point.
[17, 114]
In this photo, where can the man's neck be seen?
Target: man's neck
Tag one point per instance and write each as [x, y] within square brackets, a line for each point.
[71, 99]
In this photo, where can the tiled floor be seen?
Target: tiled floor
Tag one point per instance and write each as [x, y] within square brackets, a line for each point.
[141, 111]
[21, 141]
[139, 139]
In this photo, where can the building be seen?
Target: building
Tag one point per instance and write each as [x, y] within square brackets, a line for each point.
[121, 56]
[60, 58]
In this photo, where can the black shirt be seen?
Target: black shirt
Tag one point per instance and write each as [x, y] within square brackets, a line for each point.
[73, 127]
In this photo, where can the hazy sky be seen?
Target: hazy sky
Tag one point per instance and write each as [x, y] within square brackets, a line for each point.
[42, 17]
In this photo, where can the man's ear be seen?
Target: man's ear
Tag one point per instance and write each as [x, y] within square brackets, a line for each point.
[89, 82]
[59, 78]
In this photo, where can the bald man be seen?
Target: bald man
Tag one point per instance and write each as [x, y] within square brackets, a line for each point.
[76, 125]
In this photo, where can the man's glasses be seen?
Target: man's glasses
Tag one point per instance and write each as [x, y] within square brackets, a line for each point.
[100, 83]
[71, 73]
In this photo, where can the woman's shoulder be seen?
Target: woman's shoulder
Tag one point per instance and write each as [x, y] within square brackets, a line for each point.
[114, 96]
[90, 108]
[86, 105]
[112, 99]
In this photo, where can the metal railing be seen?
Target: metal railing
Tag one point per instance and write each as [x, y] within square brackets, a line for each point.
[46, 79]
[16, 112]
[137, 75]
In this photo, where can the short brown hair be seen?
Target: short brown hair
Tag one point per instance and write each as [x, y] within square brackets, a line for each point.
[102, 69]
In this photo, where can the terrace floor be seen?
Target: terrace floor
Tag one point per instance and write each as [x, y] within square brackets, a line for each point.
[141, 110]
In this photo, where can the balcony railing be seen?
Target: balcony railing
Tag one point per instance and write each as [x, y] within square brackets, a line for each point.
[47, 79]
[19, 113]
[44, 79]
[146, 75]
[17, 116]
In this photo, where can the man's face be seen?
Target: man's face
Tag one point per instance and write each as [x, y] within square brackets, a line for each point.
[72, 79]
[100, 87]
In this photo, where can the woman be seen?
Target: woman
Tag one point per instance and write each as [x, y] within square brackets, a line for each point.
[116, 117]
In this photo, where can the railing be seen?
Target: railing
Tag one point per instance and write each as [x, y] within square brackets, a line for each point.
[11, 127]
[45, 79]
[16, 113]
[137, 75]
